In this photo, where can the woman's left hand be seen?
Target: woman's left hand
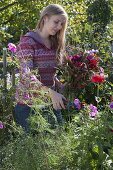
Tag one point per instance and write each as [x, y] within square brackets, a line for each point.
[57, 99]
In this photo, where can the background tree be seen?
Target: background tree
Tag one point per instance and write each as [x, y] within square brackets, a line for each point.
[89, 21]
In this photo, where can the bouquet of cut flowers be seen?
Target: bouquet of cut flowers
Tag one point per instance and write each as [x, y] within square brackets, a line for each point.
[79, 68]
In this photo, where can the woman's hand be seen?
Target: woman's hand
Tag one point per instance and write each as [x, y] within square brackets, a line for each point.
[59, 85]
[57, 99]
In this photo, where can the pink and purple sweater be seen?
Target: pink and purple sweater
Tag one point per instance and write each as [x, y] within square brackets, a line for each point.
[32, 54]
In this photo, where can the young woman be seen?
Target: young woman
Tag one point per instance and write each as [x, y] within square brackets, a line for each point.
[41, 49]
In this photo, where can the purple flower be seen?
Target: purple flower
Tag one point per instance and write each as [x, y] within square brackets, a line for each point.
[90, 57]
[92, 107]
[111, 105]
[93, 110]
[92, 51]
[12, 47]
[93, 114]
[26, 96]
[77, 104]
[69, 57]
[33, 78]
[1, 125]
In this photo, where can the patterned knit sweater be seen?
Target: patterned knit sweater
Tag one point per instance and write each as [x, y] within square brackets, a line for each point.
[32, 54]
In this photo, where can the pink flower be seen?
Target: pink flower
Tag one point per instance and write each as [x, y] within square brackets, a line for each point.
[1, 125]
[101, 71]
[12, 47]
[33, 78]
[69, 57]
[75, 58]
[90, 57]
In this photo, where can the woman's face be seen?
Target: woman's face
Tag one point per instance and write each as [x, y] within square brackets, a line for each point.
[54, 23]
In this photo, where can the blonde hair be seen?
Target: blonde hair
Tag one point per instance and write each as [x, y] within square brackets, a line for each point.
[58, 40]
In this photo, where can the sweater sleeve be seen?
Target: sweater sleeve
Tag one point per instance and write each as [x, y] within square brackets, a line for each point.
[25, 53]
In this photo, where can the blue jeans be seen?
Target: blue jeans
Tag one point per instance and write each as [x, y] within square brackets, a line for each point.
[22, 113]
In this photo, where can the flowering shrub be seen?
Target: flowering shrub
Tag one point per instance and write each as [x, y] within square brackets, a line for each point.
[77, 107]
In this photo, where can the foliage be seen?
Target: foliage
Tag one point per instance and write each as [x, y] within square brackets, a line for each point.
[99, 12]
[17, 16]
[7, 92]
[6, 112]
[83, 143]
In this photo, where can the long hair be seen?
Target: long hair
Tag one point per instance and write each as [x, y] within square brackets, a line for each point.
[57, 40]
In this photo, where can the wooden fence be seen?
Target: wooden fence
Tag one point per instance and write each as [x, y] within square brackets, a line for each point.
[3, 65]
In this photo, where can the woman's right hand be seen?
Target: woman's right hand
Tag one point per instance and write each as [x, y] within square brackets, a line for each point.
[57, 99]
